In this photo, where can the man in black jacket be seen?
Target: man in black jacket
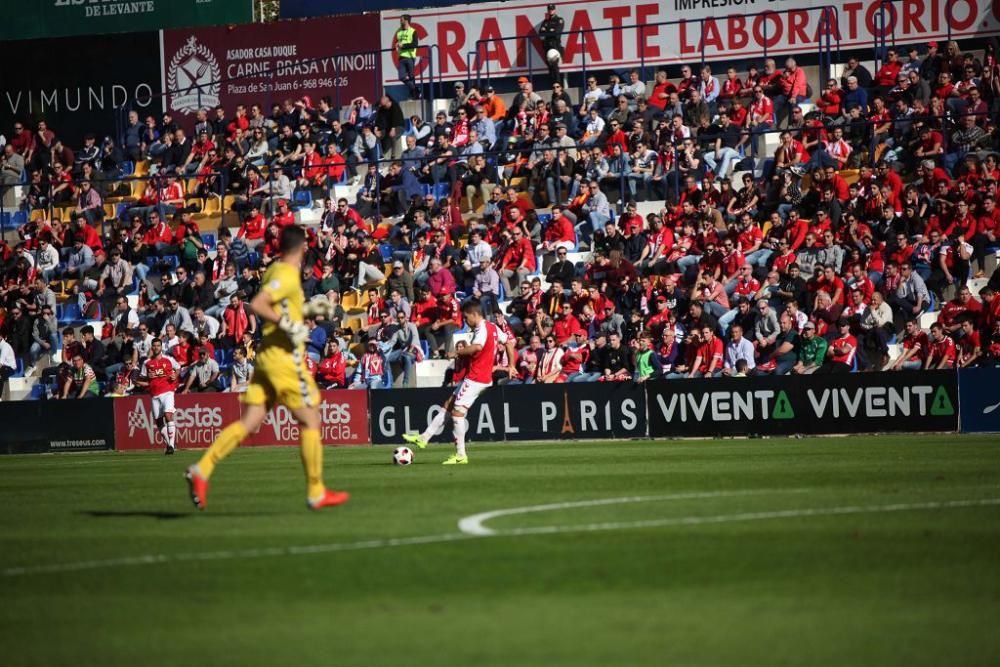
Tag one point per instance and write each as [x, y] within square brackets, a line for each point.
[389, 123]
[562, 270]
[551, 30]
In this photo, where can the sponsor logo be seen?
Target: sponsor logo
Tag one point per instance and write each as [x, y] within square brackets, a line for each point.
[193, 75]
[719, 406]
[593, 416]
[96, 443]
[196, 425]
[334, 417]
[874, 402]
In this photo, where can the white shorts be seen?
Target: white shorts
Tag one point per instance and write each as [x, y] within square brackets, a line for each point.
[163, 404]
[467, 392]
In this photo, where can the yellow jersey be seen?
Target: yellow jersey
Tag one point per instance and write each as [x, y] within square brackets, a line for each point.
[283, 284]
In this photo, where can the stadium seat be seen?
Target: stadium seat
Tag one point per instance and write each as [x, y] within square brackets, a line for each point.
[302, 199]
[69, 312]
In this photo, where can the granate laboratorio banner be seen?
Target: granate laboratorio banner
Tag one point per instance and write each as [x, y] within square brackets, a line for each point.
[29, 19]
[199, 419]
[76, 84]
[269, 63]
[914, 401]
[500, 38]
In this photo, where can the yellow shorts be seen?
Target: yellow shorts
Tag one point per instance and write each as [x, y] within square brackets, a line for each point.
[280, 378]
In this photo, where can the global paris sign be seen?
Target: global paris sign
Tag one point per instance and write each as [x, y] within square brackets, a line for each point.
[496, 38]
[857, 403]
[517, 413]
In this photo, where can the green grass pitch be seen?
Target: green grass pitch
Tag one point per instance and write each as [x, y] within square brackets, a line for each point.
[881, 550]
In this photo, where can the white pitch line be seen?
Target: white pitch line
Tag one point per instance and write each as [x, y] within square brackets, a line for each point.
[747, 516]
[156, 559]
[473, 525]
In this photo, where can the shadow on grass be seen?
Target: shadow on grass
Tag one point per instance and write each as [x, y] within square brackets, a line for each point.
[140, 514]
[166, 516]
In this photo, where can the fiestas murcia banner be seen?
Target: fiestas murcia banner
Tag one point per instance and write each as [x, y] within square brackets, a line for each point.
[809, 404]
[29, 19]
[500, 38]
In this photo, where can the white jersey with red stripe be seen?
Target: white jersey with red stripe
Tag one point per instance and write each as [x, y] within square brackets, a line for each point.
[159, 371]
[488, 336]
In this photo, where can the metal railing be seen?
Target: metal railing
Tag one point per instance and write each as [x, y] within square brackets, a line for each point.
[426, 78]
[529, 46]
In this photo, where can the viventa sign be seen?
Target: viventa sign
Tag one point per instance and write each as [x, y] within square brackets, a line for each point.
[856, 403]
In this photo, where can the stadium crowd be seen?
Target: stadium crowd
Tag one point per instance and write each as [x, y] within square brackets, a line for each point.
[877, 205]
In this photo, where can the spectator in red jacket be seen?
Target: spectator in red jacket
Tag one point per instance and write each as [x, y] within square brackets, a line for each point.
[331, 373]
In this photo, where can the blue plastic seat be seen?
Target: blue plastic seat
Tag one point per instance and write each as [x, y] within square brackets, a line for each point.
[70, 313]
[302, 198]
[209, 240]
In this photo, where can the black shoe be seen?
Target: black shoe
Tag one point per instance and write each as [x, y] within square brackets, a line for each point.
[169, 451]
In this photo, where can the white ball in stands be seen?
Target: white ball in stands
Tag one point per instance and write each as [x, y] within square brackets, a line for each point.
[402, 456]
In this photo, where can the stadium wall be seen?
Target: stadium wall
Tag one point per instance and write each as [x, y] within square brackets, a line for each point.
[501, 40]
[918, 401]
[30, 19]
[979, 394]
[301, 9]
[41, 427]
[77, 83]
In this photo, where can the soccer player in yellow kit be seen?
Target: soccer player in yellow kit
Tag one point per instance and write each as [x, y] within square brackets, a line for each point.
[280, 376]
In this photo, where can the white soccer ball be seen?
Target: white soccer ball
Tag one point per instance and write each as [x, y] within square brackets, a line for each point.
[553, 55]
[402, 456]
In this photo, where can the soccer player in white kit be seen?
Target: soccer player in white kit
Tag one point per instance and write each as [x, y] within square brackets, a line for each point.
[159, 374]
[482, 352]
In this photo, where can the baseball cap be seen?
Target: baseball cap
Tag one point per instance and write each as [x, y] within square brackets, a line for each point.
[661, 299]
[459, 84]
[932, 44]
[809, 325]
[550, 7]
[489, 89]
[522, 79]
[397, 265]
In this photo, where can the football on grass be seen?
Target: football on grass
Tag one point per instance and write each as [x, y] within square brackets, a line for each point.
[402, 456]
